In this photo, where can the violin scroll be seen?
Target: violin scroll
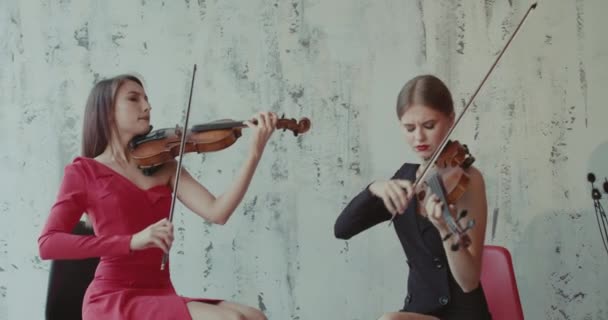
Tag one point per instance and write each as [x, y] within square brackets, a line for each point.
[455, 154]
[297, 127]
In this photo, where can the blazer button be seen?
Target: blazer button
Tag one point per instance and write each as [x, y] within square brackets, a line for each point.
[408, 298]
[443, 300]
[438, 263]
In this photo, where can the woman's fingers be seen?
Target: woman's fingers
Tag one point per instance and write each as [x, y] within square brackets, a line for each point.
[409, 189]
[388, 203]
[160, 244]
[398, 196]
[262, 120]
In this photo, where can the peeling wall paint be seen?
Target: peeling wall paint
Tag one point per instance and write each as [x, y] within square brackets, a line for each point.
[341, 63]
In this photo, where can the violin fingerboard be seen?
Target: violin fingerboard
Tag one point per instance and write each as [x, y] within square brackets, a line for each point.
[437, 187]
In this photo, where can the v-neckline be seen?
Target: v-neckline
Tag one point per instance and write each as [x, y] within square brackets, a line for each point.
[116, 173]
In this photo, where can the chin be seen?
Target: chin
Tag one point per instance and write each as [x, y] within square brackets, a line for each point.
[425, 155]
[142, 130]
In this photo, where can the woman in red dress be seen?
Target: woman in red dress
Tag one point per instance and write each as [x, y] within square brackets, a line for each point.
[129, 211]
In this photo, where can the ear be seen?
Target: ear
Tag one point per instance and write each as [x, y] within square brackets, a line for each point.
[452, 118]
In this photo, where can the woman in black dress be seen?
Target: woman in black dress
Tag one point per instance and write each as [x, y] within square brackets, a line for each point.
[442, 284]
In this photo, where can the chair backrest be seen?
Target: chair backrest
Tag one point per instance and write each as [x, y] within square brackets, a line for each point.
[499, 284]
[68, 281]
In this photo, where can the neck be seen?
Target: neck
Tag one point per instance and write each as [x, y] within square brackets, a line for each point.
[116, 151]
[423, 164]
[424, 161]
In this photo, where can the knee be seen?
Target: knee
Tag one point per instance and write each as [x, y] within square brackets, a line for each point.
[258, 315]
[255, 314]
[235, 315]
[389, 316]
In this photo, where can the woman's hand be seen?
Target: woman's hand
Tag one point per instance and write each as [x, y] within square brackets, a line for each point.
[396, 194]
[266, 124]
[434, 210]
[159, 235]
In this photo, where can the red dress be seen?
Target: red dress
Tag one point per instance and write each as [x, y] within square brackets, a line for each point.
[128, 284]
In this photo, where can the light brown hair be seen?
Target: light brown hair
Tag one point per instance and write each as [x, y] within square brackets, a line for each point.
[426, 90]
[99, 114]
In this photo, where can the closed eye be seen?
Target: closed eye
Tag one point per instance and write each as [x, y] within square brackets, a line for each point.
[429, 124]
[409, 127]
[134, 96]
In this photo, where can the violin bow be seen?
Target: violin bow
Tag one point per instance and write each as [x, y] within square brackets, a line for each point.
[443, 143]
[178, 170]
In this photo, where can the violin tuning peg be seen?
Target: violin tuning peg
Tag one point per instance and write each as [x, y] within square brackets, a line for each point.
[462, 214]
[606, 185]
[447, 236]
[591, 177]
[470, 225]
[468, 162]
[595, 194]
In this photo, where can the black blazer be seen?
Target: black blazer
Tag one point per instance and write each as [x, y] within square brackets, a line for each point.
[430, 284]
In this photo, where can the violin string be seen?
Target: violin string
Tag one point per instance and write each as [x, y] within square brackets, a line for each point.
[234, 124]
[439, 191]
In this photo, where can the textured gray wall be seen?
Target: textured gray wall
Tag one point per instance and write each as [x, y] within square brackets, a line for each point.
[533, 129]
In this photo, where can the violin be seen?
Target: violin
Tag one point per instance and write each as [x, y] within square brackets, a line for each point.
[152, 150]
[451, 166]
[445, 173]
[448, 179]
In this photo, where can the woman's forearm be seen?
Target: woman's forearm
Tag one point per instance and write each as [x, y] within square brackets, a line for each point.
[465, 269]
[225, 204]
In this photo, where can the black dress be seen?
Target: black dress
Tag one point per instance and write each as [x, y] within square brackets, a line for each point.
[432, 290]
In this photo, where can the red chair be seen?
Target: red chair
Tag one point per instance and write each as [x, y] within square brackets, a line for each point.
[499, 284]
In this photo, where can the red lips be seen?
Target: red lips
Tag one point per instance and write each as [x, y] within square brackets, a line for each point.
[422, 147]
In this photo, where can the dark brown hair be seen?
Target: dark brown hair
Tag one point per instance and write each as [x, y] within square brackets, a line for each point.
[426, 90]
[99, 114]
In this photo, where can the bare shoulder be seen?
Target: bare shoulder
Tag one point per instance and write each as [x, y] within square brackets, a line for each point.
[476, 189]
[476, 178]
[167, 171]
[169, 167]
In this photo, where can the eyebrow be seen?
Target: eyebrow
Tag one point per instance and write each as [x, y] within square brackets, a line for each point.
[137, 93]
[426, 122]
